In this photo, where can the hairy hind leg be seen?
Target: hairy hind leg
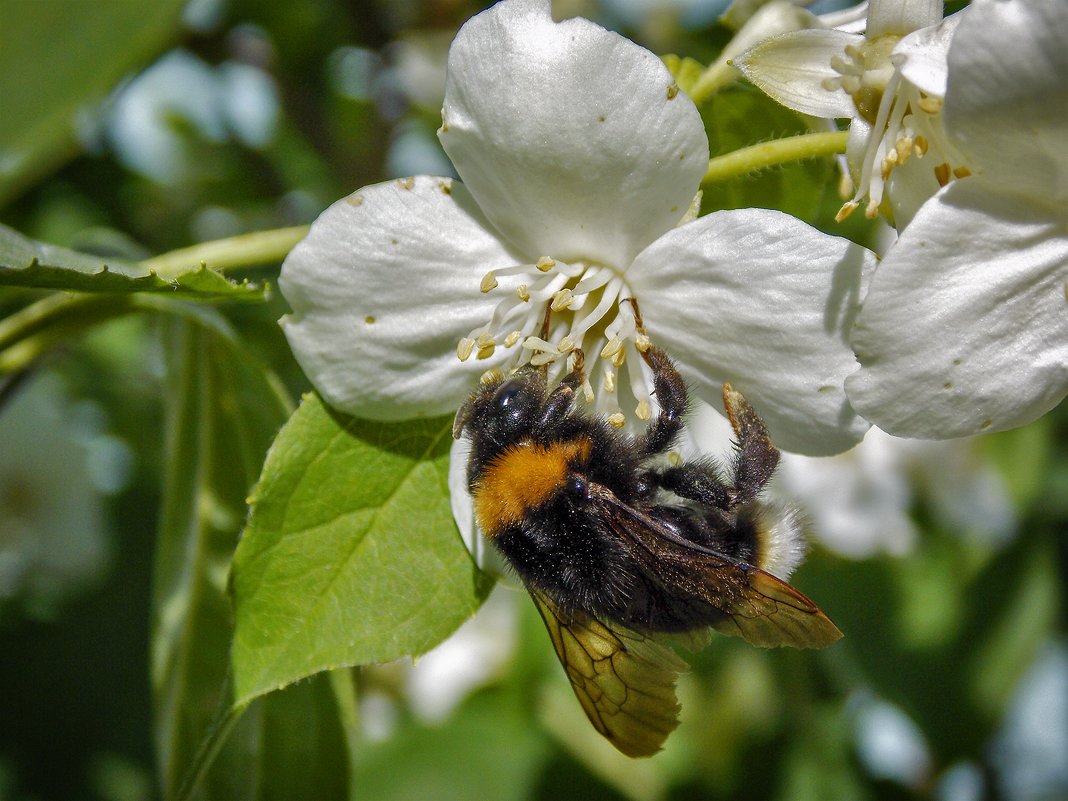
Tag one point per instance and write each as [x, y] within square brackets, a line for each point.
[756, 457]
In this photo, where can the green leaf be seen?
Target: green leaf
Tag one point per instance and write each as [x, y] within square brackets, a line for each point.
[351, 554]
[222, 411]
[58, 57]
[27, 263]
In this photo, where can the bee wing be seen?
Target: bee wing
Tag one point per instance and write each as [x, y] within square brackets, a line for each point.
[624, 680]
[754, 604]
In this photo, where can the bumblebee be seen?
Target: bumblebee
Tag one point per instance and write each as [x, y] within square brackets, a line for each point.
[623, 555]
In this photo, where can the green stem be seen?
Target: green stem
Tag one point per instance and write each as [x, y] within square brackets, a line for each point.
[779, 151]
[233, 253]
[60, 311]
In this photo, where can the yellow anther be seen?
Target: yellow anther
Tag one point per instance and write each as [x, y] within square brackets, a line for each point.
[845, 211]
[492, 376]
[619, 357]
[617, 420]
[961, 172]
[611, 348]
[485, 340]
[941, 173]
[674, 458]
[489, 282]
[566, 345]
[920, 146]
[545, 264]
[512, 338]
[932, 105]
[642, 342]
[464, 348]
[561, 300]
[609, 384]
[487, 351]
[523, 292]
[643, 411]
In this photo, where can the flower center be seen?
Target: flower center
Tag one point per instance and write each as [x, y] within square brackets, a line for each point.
[865, 72]
[905, 122]
[550, 309]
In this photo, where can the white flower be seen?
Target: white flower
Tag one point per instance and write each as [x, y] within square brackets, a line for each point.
[890, 82]
[53, 542]
[965, 326]
[579, 156]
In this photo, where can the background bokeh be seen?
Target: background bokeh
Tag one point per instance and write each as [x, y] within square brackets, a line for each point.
[130, 129]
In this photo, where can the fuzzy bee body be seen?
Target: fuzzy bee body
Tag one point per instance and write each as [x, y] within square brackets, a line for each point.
[619, 552]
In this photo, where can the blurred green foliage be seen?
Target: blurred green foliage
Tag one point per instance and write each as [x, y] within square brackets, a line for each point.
[111, 686]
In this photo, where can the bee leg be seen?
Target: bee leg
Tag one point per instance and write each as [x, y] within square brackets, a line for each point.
[558, 405]
[670, 391]
[756, 456]
[697, 481]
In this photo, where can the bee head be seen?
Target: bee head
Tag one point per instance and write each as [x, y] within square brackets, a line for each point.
[502, 412]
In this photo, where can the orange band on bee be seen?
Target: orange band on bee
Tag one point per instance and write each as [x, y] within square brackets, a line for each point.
[524, 477]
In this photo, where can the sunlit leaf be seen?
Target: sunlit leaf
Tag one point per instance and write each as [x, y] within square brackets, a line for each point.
[351, 554]
[26, 263]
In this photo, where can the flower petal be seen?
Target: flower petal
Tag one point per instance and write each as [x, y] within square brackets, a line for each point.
[382, 289]
[575, 141]
[1007, 99]
[922, 56]
[485, 555]
[899, 17]
[965, 327]
[792, 68]
[759, 299]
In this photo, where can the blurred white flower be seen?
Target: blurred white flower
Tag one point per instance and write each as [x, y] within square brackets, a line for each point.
[479, 651]
[1029, 751]
[964, 328]
[52, 539]
[859, 503]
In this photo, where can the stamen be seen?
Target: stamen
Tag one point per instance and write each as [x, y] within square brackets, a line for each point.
[488, 283]
[487, 351]
[608, 297]
[609, 383]
[512, 338]
[941, 173]
[562, 299]
[611, 348]
[921, 146]
[643, 411]
[962, 172]
[594, 279]
[616, 420]
[464, 348]
[566, 345]
[930, 105]
[523, 292]
[492, 376]
[845, 211]
[587, 389]
[642, 342]
[545, 264]
[538, 344]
